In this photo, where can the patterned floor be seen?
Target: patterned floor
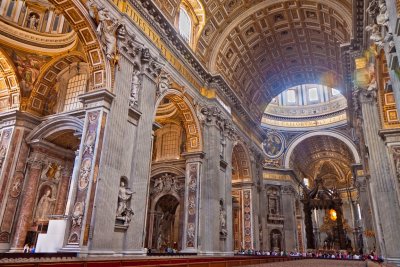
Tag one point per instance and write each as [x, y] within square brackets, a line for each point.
[315, 263]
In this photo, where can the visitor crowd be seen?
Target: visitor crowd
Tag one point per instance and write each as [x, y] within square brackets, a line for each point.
[344, 255]
[29, 248]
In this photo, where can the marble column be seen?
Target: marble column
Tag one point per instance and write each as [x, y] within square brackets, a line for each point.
[192, 194]
[385, 206]
[216, 183]
[140, 168]
[28, 203]
[289, 224]
[392, 55]
[80, 225]
[63, 191]
[367, 225]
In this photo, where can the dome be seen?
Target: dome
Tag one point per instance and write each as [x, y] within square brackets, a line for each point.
[306, 106]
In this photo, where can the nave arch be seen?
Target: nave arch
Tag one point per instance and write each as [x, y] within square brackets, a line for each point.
[349, 143]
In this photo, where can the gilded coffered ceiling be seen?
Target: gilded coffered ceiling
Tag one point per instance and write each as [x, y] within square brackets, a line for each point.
[326, 157]
[263, 47]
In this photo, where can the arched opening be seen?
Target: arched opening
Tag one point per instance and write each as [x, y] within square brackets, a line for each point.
[275, 238]
[326, 163]
[241, 202]
[9, 85]
[54, 142]
[176, 135]
[166, 216]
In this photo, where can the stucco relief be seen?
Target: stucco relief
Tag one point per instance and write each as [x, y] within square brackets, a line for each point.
[191, 230]
[85, 173]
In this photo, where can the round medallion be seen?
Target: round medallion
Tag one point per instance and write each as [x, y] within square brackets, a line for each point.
[273, 145]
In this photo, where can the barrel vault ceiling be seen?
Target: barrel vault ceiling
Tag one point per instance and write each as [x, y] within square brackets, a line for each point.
[263, 47]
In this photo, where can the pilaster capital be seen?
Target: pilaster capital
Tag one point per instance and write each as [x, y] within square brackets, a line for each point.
[194, 156]
[288, 190]
[97, 98]
[36, 162]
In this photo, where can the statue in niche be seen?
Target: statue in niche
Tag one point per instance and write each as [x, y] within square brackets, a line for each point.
[106, 29]
[124, 213]
[135, 87]
[275, 238]
[44, 205]
[222, 145]
[33, 21]
[223, 232]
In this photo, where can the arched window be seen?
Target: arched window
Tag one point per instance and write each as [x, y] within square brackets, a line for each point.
[185, 25]
[76, 86]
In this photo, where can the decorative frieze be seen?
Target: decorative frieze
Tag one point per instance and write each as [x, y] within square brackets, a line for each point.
[247, 222]
[192, 200]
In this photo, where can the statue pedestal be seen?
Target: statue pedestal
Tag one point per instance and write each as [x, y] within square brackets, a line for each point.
[53, 240]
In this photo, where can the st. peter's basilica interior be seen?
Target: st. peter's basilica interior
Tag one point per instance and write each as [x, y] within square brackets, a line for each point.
[206, 126]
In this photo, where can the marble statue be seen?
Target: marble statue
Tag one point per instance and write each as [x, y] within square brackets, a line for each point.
[163, 83]
[135, 87]
[275, 241]
[158, 184]
[106, 29]
[223, 232]
[123, 212]
[44, 205]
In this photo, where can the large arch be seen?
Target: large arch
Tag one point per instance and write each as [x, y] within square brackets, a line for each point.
[55, 125]
[241, 163]
[349, 143]
[249, 11]
[11, 95]
[78, 17]
[45, 86]
[191, 122]
[272, 45]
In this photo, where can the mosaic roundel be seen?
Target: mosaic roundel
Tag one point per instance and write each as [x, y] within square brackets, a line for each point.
[273, 145]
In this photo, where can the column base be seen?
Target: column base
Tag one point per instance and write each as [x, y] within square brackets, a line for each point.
[133, 252]
[5, 247]
[100, 253]
[395, 261]
[189, 250]
[16, 250]
[216, 253]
